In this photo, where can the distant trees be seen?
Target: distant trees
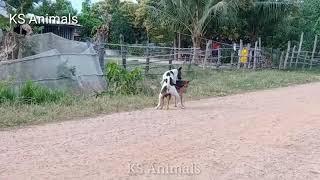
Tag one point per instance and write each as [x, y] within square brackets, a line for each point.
[276, 21]
[54, 8]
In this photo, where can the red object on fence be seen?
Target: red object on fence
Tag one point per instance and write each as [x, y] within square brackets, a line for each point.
[216, 45]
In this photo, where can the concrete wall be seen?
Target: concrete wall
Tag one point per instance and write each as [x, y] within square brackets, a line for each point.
[76, 69]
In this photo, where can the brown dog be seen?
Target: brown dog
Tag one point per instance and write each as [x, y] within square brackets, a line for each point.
[181, 87]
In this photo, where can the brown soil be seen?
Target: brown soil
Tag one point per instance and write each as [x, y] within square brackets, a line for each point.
[273, 134]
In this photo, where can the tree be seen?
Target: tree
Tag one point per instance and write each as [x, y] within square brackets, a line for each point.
[57, 8]
[195, 15]
[89, 21]
[22, 6]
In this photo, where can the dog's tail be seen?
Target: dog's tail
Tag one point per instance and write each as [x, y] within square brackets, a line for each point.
[162, 81]
[168, 81]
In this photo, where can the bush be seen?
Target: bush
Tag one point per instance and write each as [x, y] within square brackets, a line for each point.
[31, 93]
[121, 81]
[6, 93]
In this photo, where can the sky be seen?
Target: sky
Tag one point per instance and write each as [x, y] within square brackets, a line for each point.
[78, 3]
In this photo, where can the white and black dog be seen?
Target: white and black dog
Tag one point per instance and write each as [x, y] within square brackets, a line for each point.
[174, 73]
[168, 83]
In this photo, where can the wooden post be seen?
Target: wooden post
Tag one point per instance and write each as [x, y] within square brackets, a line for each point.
[123, 53]
[248, 58]
[170, 59]
[232, 57]
[314, 50]
[179, 46]
[259, 50]
[208, 51]
[239, 53]
[219, 58]
[175, 47]
[292, 56]
[281, 59]
[232, 53]
[255, 55]
[287, 55]
[299, 50]
[147, 68]
[305, 59]
[102, 36]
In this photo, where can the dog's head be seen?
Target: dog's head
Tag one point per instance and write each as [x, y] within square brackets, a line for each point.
[183, 85]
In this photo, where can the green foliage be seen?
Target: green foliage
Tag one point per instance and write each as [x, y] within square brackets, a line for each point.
[24, 6]
[6, 93]
[121, 81]
[36, 94]
[89, 20]
[55, 8]
[29, 93]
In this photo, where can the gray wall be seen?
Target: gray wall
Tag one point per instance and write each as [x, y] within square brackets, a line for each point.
[69, 65]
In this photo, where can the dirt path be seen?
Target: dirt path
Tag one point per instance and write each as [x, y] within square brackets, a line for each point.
[273, 134]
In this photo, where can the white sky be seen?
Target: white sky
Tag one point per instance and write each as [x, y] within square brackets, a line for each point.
[78, 3]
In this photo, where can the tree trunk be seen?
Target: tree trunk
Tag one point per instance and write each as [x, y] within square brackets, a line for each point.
[196, 46]
[175, 47]
[179, 46]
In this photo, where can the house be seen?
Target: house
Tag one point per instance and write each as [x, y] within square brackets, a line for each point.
[68, 31]
[65, 30]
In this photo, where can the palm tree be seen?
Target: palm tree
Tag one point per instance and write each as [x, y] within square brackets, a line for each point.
[194, 15]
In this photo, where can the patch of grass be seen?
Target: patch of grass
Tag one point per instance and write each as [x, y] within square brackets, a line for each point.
[204, 83]
[31, 93]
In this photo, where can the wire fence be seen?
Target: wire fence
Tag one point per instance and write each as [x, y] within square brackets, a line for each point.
[151, 57]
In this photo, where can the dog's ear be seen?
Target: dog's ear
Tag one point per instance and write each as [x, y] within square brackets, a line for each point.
[180, 68]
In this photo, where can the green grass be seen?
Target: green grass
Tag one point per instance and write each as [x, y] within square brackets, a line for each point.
[204, 83]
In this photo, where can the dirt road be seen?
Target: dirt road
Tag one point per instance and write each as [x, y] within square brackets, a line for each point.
[273, 134]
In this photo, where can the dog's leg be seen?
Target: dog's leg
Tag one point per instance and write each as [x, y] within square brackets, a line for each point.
[169, 98]
[160, 101]
[175, 101]
[181, 101]
[174, 92]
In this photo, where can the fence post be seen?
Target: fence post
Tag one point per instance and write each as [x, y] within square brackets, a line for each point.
[239, 53]
[232, 53]
[299, 50]
[219, 58]
[255, 55]
[251, 57]
[314, 50]
[179, 46]
[248, 58]
[259, 50]
[292, 56]
[147, 59]
[305, 59]
[260, 44]
[123, 53]
[175, 47]
[287, 55]
[281, 59]
[170, 59]
[208, 48]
